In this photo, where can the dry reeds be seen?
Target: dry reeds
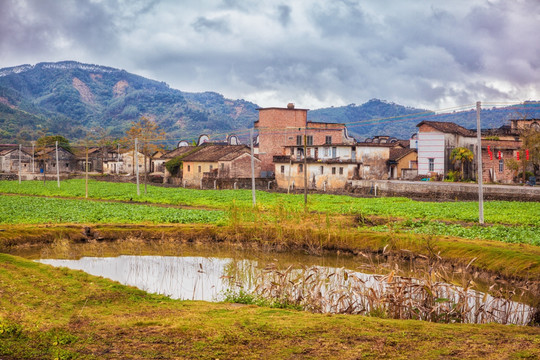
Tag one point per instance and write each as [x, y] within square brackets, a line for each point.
[331, 290]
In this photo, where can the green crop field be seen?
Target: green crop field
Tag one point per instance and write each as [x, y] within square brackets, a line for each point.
[36, 210]
[495, 212]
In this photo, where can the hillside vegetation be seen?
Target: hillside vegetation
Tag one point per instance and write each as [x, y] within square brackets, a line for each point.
[67, 98]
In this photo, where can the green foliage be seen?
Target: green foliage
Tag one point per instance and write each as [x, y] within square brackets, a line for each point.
[453, 176]
[174, 166]
[51, 141]
[35, 210]
[72, 95]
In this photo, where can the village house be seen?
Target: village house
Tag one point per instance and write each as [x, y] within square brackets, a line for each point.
[331, 166]
[279, 128]
[9, 160]
[46, 160]
[98, 158]
[218, 161]
[403, 163]
[127, 162]
[495, 155]
[436, 140]
[159, 161]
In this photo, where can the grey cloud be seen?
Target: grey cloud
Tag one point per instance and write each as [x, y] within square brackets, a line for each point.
[203, 24]
[332, 53]
[341, 17]
[284, 14]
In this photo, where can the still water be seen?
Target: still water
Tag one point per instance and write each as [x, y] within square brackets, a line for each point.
[319, 288]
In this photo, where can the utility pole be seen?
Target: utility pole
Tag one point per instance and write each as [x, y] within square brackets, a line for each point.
[136, 152]
[86, 173]
[252, 168]
[118, 160]
[33, 167]
[57, 166]
[20, 150]
[305, 167]
[479, 158]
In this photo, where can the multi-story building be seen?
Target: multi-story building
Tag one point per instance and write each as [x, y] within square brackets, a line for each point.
[282, 128]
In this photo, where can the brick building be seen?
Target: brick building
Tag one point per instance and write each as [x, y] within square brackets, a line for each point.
[494, 166]
[282, 127]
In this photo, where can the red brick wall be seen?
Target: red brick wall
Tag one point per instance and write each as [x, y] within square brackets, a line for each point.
[490, 168]
[279, 127]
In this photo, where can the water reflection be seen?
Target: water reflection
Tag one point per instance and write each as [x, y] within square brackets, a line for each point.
[186, 278]
[315, 288]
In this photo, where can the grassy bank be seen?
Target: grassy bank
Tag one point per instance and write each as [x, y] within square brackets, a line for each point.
[49, 312]
[507, 261]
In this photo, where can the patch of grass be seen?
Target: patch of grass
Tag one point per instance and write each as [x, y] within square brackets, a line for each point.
[81, 316]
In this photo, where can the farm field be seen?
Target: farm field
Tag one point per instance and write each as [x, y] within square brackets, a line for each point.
[513, 222]
[64, 314]
[495, 212]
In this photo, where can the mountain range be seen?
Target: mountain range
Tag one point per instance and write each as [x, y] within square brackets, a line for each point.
[68, 98]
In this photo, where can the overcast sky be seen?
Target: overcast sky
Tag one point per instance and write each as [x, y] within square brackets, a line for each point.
[315, 53]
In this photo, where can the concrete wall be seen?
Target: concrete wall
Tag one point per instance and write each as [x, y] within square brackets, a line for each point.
[443, 190]
[321, 176]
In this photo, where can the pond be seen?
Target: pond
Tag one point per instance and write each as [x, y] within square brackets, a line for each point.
[328, 283]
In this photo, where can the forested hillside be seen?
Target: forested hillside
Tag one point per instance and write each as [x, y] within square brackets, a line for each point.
[68, 98]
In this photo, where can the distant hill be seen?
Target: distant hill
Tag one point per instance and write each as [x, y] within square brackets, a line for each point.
[67, 98]
[379, 117]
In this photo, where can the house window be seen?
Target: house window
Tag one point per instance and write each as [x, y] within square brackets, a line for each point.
[292, 151]
[222, 166]
[282, 169]
[299, 153]
[334, 152]
[501, 165]
[431, 164]
[300, 168]
[67, 165]
[309, 140]
[413, 164]
[328, 140]
[340, 171]
[298, 139]
[189, 168]
[322, 170]
[211, 167]
[326, 151]
[333, 171]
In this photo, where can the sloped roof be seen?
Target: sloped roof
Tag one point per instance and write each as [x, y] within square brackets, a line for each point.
[501, 144]
[214, 153]
[179, 151]
[398, 153]
[449, 127]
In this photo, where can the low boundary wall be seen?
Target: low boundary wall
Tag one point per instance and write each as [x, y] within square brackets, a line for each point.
[438, 190]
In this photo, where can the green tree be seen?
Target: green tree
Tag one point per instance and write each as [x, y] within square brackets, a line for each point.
[463, 156]
[50, 140]
[531, 142]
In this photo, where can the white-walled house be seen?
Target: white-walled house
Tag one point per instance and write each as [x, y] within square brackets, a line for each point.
[436, 140]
